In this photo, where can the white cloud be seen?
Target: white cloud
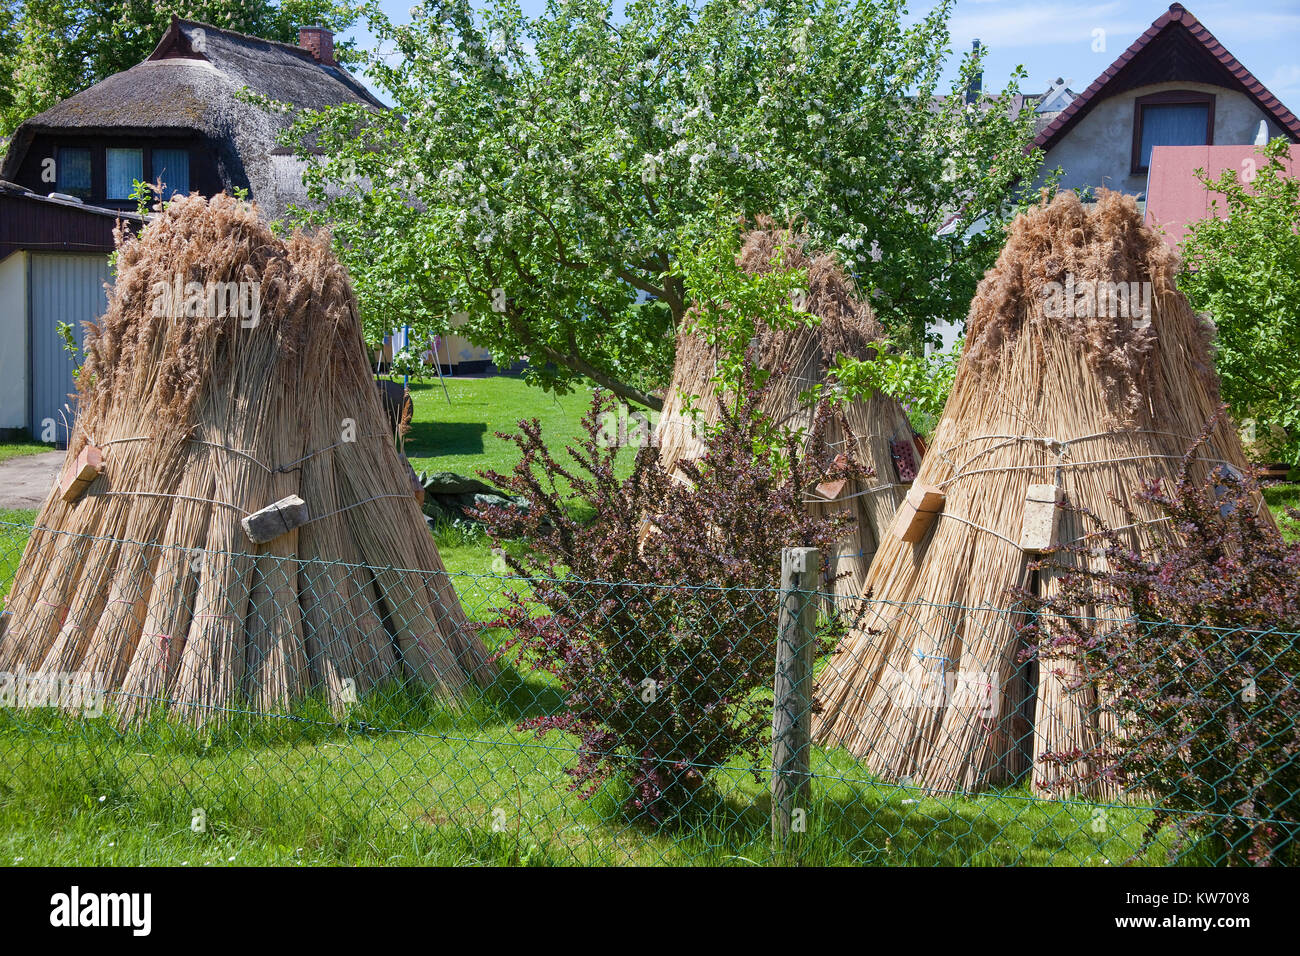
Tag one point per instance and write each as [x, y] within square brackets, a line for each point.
[1043, 23]
[1285, 84]
[1254, 20]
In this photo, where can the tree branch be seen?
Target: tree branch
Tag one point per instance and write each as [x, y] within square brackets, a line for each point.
[621, 389]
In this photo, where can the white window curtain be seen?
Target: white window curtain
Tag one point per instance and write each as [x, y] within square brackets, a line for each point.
[172, 166]
[1172, 124]
[122, 167]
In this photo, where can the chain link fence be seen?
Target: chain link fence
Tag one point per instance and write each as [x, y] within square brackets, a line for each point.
[616, 724]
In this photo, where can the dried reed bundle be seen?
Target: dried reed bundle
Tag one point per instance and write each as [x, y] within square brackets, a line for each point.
[801, 358]
[932, 687]
[207, 413]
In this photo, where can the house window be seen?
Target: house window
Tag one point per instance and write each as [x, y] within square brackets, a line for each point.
[122, 169]
[172, 166]
[1178, 118]
[72, 172]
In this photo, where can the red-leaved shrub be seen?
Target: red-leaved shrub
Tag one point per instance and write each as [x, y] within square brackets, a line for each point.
[662, 640]
[1197, 669]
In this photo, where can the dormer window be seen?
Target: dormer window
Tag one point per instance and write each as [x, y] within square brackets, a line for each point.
[1176, 118]
[104, 174]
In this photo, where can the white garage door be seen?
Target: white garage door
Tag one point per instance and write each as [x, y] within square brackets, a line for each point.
[64, 288]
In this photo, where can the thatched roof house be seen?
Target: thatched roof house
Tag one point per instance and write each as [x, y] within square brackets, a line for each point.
[179, 116]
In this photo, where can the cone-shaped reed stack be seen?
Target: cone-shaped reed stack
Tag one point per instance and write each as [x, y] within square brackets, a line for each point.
[1097, 403]
[148, 584]
[862, 429]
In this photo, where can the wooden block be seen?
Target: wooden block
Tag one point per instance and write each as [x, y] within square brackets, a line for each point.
[1042, 517]
[925, 498]
[275, 519]
[76, 478]
[917, 512]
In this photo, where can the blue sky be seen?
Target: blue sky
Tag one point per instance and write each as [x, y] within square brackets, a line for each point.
[1053, 38]
[1056, 37]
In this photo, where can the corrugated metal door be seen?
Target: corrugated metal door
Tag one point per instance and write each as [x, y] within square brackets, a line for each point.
[63, 288]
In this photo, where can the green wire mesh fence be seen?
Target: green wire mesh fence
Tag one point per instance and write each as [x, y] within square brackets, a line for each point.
[615, 723]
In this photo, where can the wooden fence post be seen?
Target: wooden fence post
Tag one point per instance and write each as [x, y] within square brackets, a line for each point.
[792, 697]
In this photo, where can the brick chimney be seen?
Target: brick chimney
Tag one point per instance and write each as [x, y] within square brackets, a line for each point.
[319, 42]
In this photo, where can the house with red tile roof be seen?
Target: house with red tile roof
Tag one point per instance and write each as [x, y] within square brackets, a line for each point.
[1176, 85]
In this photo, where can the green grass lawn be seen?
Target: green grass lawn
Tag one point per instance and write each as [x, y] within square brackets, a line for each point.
[467, 787]
[18, 449]
[1280, 497]
[460, 436]
[13, 538]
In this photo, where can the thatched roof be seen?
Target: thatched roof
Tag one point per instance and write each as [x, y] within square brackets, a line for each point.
[190, 85]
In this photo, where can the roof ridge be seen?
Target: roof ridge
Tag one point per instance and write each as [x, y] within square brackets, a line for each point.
[303, 53]
[338, 70]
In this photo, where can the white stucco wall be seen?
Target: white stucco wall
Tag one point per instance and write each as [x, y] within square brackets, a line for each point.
[13, 341]
[1098, 150]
